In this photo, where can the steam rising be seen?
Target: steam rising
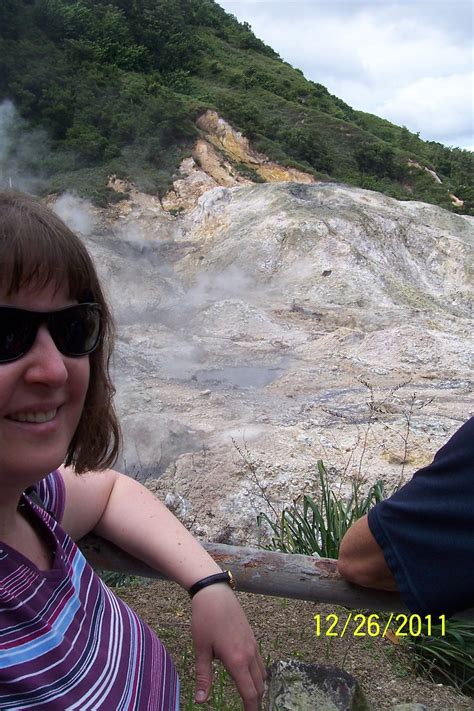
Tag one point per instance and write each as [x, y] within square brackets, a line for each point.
[172, 329]
[24, 152]
[76, 213]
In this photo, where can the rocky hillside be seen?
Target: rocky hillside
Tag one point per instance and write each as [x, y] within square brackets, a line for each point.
[272, 325]
[90, 88]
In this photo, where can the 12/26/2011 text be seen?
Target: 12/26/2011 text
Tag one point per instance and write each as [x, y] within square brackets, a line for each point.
[375, 625]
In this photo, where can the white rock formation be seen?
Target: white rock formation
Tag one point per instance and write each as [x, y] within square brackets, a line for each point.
[278, 324]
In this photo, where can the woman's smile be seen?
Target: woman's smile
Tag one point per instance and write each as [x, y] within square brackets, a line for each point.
[36, 417]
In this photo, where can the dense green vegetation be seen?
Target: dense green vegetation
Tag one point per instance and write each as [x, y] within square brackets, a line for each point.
[117, 86]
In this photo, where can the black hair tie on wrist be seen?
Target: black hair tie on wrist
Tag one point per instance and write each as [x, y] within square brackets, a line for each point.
[224, 577]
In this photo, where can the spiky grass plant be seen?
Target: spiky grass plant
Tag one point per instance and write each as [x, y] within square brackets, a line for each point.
[448, 657]
[316, 526]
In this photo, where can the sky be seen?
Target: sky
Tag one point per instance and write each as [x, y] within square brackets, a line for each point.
[408, 61]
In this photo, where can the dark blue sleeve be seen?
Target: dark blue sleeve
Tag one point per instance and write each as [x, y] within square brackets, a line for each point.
[426, 530]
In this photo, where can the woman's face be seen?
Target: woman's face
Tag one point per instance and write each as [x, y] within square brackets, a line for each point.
[41, 398]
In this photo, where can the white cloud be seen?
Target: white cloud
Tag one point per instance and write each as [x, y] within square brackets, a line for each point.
[437, 105]
[401, 51]
[409, 61]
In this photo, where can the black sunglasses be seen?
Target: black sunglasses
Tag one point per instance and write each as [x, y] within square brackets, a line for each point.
[75, 330]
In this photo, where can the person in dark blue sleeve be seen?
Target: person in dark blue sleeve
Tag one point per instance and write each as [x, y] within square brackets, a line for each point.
[420, 541]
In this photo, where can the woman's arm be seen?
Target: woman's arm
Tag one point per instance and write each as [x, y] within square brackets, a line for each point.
[123, 511]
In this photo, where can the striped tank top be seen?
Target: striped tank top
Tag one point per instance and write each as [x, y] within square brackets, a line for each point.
[66, 641]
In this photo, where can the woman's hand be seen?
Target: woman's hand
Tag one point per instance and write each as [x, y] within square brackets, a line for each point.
[220, 630]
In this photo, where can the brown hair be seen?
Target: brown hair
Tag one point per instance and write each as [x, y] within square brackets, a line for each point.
[37, 248]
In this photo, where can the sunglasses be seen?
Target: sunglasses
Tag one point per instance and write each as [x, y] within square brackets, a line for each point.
[75, 330]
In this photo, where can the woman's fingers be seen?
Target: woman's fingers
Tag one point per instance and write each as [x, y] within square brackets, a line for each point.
[250, 685]
[203, 675]
[220, 629]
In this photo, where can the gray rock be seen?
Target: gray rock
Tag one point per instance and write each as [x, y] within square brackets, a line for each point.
[296, 686]
[410, 707]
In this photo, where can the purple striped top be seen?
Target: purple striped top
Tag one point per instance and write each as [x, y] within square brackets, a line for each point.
[66, 641]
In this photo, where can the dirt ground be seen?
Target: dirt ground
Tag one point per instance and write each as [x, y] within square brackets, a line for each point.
[285, 629]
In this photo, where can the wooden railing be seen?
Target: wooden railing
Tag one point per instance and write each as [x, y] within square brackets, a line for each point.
[266, 573]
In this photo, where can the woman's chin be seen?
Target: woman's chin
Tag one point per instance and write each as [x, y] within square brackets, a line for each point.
[26, 472]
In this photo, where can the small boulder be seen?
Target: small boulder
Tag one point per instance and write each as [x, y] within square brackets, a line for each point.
[297, 686]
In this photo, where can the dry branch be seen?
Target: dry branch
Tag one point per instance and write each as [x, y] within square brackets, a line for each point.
[265, 573]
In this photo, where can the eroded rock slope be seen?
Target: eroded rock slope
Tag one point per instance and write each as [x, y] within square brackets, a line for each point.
[277, 324]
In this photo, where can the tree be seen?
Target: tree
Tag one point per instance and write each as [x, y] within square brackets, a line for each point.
[376, 159]
[303, 143]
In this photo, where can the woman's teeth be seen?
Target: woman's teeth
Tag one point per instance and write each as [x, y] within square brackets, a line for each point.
[37, 417]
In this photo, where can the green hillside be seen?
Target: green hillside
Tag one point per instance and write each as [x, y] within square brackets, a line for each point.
[117, 86]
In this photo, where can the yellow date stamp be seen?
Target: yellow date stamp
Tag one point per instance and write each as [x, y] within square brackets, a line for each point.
[375, 625]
